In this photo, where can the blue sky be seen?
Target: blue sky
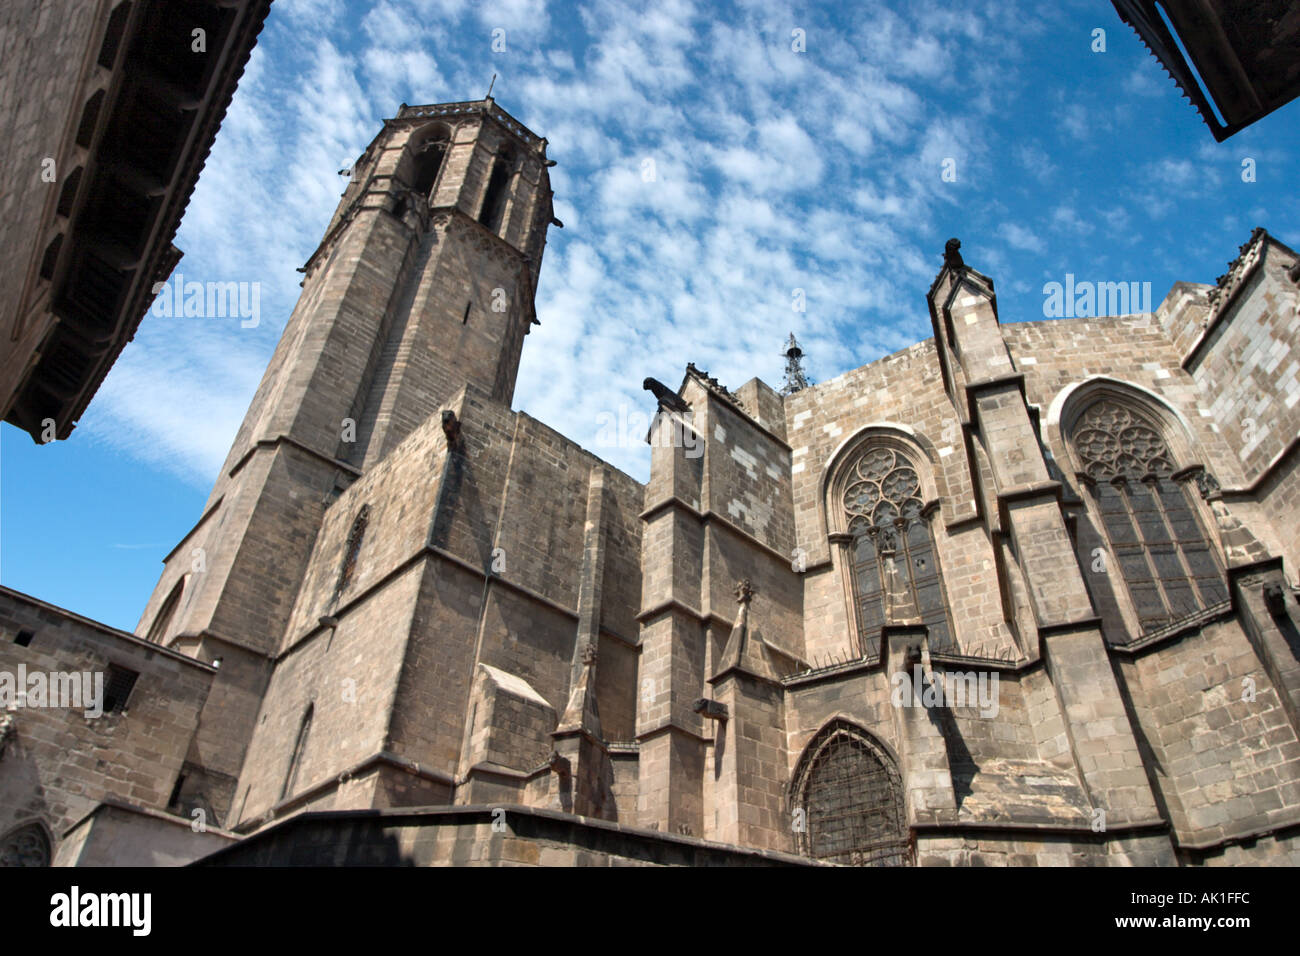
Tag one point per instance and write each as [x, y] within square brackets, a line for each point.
[773, 170]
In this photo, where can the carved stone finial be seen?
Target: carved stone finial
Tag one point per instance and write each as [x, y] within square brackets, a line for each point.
[744, 591]
[589, 655]
[951, 256]
[710, 381]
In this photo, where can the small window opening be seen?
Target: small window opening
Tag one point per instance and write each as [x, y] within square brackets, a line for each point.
[118, 684]
[113, 34]
[51, 257]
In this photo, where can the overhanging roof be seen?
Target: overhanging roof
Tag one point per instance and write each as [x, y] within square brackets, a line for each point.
[1247, 52]
[147, 136]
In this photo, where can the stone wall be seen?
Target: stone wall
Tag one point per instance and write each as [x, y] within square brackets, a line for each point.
[469, 560]
[1223, 753]
[59, 763]
[1247, 366]
[118, 834]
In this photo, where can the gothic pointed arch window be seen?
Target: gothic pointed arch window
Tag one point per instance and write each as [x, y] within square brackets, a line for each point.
[848, 800]
[295, 758]
[352, 550]
[27, 845]
[429, 154]
[889, 527]
[163, 620]
[492, 212]
[1149, 523]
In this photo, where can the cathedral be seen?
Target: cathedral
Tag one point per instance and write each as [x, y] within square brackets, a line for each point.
[1020, 594]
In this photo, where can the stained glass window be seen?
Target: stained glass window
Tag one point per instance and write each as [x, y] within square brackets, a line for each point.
[883, 509]
[1155, 537]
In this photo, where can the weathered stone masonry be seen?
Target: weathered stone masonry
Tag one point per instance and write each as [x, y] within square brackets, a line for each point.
[1082, 532]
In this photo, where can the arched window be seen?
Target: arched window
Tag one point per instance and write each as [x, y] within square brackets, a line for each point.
[429, 158]
[1152, 532]
[352, 549]
[26, 846]
[494, 200]
[885, 515]
[295, 759]
[165, 614]
[849, 799]
[424, 159]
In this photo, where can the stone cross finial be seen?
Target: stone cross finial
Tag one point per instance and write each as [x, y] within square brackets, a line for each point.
[744, 591]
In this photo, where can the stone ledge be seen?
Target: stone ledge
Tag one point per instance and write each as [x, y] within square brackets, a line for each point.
[359, 835]
[116, 803]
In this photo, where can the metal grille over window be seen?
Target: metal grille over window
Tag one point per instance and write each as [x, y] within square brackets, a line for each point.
[118, 684]
[848, 801]
[1156, 539]
[883, 508]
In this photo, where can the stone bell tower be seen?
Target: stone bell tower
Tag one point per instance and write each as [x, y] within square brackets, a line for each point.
[424, 281]
[468, 190]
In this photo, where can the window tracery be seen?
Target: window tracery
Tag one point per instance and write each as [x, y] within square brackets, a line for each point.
[26, 846]
[886, 516]
[1163, 555]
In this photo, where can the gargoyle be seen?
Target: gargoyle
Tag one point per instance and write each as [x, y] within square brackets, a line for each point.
[667, 397]
[450, 427]
[951, 256]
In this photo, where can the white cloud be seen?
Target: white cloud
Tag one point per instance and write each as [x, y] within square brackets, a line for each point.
[1065, 218]
[1019, 237]
[773, 170]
